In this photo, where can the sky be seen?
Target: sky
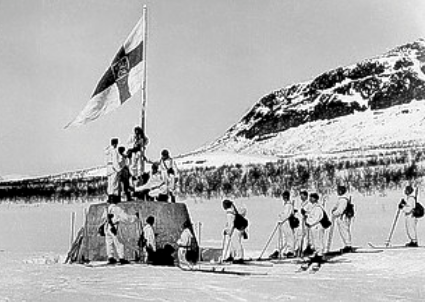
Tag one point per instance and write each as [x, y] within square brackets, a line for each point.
[208, 62]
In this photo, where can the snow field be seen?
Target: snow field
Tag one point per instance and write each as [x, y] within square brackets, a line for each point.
[35, 239]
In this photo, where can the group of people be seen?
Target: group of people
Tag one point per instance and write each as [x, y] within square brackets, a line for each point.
[114, 216]
[302, 232]
[125, 171]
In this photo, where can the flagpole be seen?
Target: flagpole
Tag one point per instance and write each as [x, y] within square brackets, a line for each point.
[144, 94]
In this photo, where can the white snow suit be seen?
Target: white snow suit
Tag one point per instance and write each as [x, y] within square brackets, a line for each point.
[184, 243]
[150, 237]
[233, 238]
[112, 169]
[150, 247]
[343, 222]
[303, 233]
[410, 221]
[165, 164]
[113, 241]
[316, 230]
[156, 184]
[138, 143]
[286, 231]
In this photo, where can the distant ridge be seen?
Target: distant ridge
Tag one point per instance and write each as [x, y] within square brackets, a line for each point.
[376, 103]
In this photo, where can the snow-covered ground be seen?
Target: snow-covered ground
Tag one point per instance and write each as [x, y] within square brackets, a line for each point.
[35, 238]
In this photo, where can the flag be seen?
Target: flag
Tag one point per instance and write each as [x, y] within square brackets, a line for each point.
[123, 78]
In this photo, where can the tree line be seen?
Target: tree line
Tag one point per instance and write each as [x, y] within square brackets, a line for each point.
[367, 175]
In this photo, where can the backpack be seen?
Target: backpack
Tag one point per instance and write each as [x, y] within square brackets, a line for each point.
[325, 222]
[418, 211]
[192, 252]
[240, 223]
[349, 210]
[142, 240]
[294, 222]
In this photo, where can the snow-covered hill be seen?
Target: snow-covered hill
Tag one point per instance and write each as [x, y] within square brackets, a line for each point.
[377, 103]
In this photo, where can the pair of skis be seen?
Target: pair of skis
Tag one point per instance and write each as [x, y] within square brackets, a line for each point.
[392, 247]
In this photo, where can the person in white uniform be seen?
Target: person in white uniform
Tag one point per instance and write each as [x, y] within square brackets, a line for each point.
[411, 223]
[343, 221]
[112, 170]
[113, 217]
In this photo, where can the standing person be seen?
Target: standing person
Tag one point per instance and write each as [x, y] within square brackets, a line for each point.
[343, 220]
[113, 217]
[314, 223]
[186, 254]
[137, 143]
[171, 184]
[166, 162]
[407, 205]
[303, 235]
[124, 173]
[232, 243]
[285, 228]
[149, 234]
[112, 169]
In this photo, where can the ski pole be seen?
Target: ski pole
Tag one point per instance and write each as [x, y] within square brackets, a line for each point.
[330, 235]
[387, 243]
[226, 246]
[199, 239]
[269, 240]
[303, 235]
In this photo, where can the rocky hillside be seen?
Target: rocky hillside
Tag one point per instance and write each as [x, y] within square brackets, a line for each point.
[376, 103]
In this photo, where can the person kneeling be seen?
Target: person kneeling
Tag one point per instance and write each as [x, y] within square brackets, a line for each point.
[188, 248]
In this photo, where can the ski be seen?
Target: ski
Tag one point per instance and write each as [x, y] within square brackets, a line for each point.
[356, 250]
[105, 264]
[246, 262]
[220, 270]
[393, 247]
[296, 260]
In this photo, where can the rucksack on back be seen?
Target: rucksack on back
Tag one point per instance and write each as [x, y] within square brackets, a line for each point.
[325, 222]
[349, 209]
[192, 252]
[240, 223]
[294, 222]
[418, 211]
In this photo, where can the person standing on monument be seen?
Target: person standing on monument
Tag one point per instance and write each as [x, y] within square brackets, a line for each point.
[137, 143]
[124, 173]
[166, 162]
[112, 169]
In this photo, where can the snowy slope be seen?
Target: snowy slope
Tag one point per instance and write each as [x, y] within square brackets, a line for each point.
[376, 103]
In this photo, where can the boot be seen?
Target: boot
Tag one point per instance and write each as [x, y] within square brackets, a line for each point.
[412, 244]
[274, 255]
[112, 261]
[123, 261]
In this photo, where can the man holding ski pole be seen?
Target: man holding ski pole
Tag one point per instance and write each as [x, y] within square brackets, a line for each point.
[285, 228]
[407, 206]
[342, 217]
[232, 243]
